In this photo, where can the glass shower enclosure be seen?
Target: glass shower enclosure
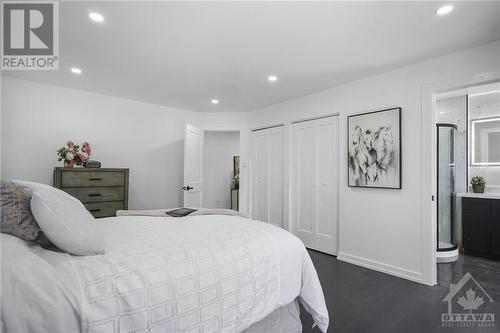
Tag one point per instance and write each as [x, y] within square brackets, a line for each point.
[445, 186]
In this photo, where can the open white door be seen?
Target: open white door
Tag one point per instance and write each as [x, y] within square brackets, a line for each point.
[193, 167]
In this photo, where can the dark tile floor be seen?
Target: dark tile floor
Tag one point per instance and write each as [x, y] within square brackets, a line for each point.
[360, 300]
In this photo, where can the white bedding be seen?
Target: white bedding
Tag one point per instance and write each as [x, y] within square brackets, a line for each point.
[192, 274]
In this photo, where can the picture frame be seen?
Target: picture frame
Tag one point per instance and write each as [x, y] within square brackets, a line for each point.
[374, 149]
[236, 165]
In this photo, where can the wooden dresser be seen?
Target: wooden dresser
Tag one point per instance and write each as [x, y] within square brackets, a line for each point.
[103, 191]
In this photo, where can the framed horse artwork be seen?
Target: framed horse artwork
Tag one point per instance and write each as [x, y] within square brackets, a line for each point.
[374, 149]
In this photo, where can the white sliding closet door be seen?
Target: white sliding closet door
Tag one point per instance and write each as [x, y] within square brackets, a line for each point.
[267, 175]
[315, 183]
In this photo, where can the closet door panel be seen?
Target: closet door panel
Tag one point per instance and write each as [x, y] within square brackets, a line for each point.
[267, 174]
[261, 177]
[325, 167]
[275, 180]
[306, 197]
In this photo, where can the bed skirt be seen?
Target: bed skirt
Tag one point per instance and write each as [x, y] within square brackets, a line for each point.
[285, 319]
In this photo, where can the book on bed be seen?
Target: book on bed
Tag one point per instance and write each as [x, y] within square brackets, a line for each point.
[180, 212]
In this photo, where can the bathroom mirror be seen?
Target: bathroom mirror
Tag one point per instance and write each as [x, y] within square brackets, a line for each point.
[485, 141]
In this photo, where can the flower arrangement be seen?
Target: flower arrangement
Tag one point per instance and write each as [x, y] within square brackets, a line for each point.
[236, 180]
[73, 154]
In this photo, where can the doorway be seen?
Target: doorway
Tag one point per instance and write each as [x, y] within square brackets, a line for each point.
[211, 168]
[467, 145]
[221, 169]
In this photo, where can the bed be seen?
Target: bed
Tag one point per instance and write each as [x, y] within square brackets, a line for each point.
[210, 273]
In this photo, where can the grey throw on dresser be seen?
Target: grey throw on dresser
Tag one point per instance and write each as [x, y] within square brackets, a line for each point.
[103, 191]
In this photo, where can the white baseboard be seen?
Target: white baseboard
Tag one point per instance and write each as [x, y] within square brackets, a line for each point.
[381, 267]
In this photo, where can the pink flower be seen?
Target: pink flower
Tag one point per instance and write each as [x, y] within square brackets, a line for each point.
[69, 144]
[86, 148]
[82, 156]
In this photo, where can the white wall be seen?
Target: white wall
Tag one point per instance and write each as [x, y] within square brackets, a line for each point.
[148, 139]
[383, 229]
[1, 107]
[220, 147]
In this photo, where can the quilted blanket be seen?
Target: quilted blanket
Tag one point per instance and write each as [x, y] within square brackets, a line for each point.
[210, 273]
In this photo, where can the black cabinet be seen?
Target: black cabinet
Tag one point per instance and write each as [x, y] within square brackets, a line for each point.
[481, 226]
[495, 227]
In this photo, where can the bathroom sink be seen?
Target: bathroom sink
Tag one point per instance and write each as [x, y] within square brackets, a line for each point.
[487, 195]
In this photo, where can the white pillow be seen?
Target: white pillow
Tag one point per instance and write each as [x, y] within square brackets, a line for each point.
[66, 222]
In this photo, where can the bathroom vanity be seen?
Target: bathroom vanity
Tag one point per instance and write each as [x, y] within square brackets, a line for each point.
[481, 224]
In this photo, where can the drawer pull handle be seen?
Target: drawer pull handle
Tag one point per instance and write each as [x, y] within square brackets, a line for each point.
[94, 194]
[95, 178]
[95, 210]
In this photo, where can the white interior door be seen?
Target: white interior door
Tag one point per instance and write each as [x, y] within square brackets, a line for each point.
[193, 167]
[267, 151]
[315, 183]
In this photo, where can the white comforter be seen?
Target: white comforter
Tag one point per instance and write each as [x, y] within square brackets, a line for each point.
[191, 274]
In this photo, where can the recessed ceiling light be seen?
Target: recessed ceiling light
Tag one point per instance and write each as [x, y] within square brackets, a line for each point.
[442, 112]
[272, 78]
[446, 9]
[96, 17]
[215, 101]
[76, 70]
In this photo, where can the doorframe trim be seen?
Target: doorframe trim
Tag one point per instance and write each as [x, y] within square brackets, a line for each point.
[315, 118]
[266, 127]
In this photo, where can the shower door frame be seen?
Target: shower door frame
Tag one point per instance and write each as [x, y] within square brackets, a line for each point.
[452, 214]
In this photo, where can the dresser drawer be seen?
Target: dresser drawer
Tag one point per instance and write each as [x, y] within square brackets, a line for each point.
[96, 194]
[104, 209]
[92, 178]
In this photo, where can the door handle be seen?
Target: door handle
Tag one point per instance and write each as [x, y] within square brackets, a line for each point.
[187, 188]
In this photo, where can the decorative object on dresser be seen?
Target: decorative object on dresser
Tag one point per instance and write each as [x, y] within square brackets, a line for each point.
[478, 184]
[374, 149]
[91, 164]
[73, 154]
[102, 191]
[481, 226]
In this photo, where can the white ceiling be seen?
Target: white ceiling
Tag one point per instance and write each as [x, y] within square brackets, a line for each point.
[184, 54]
